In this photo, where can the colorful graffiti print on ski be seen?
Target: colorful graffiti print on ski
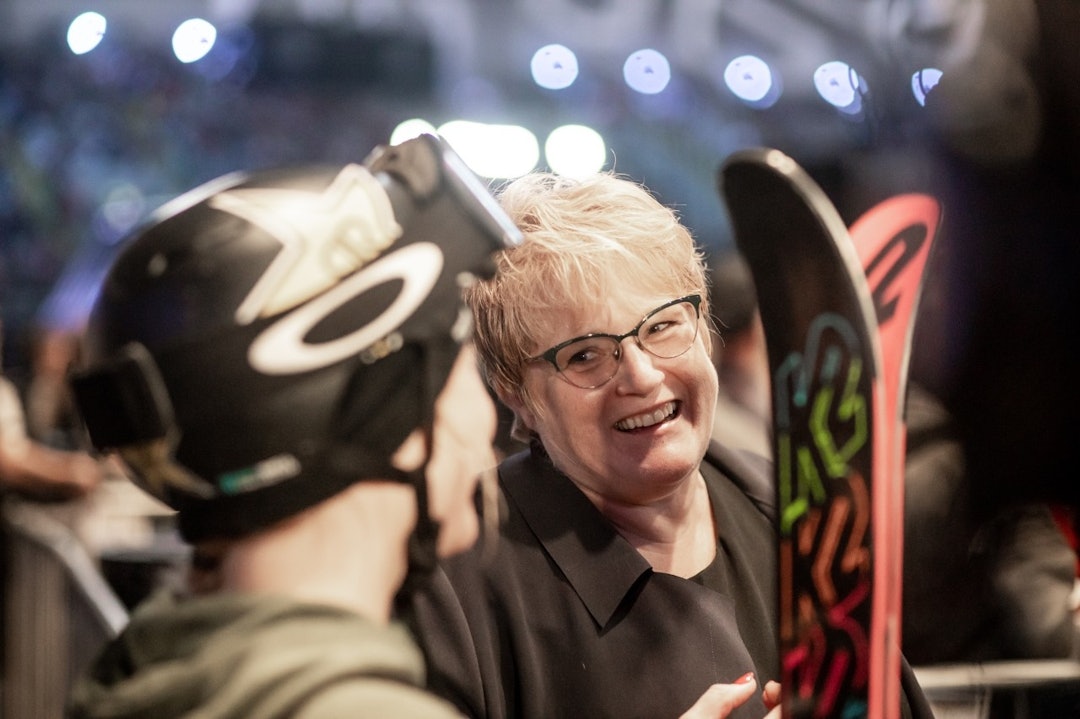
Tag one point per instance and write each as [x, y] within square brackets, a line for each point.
[820, 333]
[824, 455]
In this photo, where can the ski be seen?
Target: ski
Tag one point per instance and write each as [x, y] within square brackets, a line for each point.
[830, 444]
[893, 240]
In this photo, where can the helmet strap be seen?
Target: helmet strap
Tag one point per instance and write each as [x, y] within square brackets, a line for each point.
[422, 553]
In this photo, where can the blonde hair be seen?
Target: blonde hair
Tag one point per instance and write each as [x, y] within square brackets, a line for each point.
[584, 240]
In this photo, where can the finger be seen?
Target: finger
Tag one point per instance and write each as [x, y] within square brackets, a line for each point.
[720, 700]
[771, 694]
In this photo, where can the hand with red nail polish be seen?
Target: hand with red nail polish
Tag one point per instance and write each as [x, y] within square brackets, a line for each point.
[720, 700]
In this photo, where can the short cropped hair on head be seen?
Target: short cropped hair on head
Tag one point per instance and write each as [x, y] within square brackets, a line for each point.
[584, 239]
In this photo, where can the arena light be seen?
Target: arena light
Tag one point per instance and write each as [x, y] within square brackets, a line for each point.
[493, 151]
[751, 80]
[923, 81]
[86, 32]
[408, 129]
[575, 151]
[193, 39]
[647, 71]
[554, 67]
[840, 86]
[122, 208]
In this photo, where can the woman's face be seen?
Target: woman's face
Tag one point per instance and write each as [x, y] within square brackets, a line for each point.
[637, 437]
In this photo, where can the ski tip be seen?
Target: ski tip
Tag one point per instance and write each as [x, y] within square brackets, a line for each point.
[765, 190]
[758, 158]
[758, 170]
[762, 156]
[897, 212]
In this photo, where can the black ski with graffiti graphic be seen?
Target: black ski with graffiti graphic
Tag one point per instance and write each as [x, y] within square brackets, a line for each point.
[831, 436]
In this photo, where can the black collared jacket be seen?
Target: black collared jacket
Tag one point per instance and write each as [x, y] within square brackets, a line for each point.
[567, 619]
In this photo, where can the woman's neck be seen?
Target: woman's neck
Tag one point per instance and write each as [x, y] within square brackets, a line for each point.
[676, 534]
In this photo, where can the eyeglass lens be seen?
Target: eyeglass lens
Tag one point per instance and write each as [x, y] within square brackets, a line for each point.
[668, 332]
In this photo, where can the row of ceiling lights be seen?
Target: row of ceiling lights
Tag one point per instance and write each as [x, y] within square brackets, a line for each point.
[555, 67]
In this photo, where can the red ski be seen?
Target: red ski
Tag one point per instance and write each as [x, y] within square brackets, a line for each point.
[893, 240]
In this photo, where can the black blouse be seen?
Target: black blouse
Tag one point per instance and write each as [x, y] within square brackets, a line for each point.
[569, 620]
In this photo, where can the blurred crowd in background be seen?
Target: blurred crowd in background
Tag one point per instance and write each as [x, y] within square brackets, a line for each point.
[89, 145]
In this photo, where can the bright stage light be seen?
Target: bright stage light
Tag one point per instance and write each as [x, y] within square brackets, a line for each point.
[408, 129]
[840, 86]
[575, 151]
[85, 32]
[493, 151]
[554, 67]
[193, 39]
[647, 71]
[751, 80]
[923, 81]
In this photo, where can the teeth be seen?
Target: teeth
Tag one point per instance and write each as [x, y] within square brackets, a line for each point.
[647, 420]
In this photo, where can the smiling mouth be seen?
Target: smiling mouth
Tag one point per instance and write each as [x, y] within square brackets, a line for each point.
[648, 419]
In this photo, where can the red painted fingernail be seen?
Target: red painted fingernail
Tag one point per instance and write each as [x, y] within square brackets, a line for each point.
[745, 678]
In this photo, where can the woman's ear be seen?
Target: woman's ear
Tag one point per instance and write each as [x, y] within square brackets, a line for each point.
[520, 407]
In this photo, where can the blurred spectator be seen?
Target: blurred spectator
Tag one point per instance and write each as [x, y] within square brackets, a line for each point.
[33, 469]
[978, 586]
[743, 413]
[50, 410]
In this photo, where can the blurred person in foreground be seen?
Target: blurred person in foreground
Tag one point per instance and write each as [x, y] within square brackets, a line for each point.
[284, 359]
[635, 572]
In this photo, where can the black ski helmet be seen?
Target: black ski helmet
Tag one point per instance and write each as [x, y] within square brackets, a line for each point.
[268, 339]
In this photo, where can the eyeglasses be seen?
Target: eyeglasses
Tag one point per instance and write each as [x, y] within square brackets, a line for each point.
[592, 360]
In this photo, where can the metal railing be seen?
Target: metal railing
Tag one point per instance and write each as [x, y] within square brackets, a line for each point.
[58, 611]
[970, 691]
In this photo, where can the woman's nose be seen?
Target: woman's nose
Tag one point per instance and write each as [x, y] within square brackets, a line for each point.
[638, 371]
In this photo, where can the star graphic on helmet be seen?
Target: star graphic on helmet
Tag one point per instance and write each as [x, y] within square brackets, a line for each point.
[324, 236]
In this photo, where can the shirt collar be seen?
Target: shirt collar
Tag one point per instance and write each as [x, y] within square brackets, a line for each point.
[598, 563]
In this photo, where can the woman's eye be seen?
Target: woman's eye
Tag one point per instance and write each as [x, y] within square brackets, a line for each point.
[660, 327]
[582, 356]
